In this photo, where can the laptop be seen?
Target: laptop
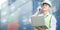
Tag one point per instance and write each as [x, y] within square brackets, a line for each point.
[38, 21]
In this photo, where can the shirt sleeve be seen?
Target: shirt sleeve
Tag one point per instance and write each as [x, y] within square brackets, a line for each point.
[53, 23]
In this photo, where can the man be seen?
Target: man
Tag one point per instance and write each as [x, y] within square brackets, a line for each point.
[50, 18]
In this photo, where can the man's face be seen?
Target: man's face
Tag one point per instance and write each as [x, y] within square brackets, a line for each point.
[46, 7]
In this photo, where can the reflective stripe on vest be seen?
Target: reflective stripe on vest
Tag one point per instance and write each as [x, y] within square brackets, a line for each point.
[48, 20]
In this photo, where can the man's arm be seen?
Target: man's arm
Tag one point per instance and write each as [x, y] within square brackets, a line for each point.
[53, 23]
[38, 10]
[36, 14]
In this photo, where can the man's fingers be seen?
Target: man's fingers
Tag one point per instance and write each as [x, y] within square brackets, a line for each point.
[38, 9]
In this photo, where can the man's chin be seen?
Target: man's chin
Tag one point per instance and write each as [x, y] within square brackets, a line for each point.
[44, 9]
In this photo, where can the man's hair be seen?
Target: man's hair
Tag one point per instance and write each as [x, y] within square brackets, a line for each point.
[47, 4]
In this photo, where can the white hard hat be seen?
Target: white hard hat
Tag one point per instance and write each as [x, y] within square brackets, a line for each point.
[48, 2]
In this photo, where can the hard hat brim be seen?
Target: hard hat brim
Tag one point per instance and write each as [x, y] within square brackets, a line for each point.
[47, 4]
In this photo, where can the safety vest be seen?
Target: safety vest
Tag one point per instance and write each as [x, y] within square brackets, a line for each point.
[48, 20]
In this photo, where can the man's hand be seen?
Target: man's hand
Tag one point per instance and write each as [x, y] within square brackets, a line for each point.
[40, 28]
[38, 9]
